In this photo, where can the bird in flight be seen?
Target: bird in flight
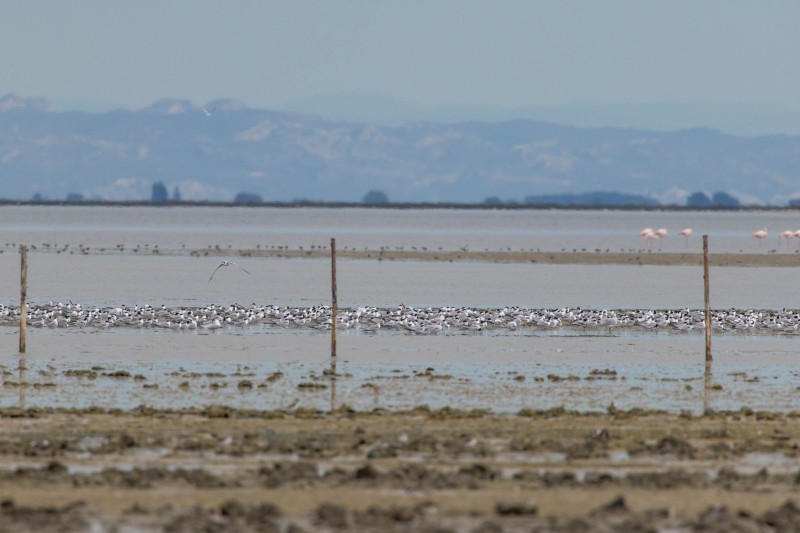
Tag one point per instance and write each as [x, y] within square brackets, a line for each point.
[224, 264]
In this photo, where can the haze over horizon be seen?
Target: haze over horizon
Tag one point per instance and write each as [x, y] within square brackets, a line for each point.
[659, 65]
[627, 96]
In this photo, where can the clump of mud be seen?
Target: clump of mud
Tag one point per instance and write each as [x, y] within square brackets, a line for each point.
[234, 515]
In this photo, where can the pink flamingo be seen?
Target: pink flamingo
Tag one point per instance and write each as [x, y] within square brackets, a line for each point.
[797, 234]
[760, 235]
[647, 234]
[659, 234]
[787, 234]
[686, 232]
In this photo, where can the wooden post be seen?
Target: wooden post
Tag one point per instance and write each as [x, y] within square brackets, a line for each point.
[706, 297]
[23, 293]
[333, 293]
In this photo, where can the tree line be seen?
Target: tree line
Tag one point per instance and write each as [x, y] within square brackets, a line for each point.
[699, 199]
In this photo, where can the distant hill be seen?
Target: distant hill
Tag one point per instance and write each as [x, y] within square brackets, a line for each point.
[225, 148]
[747, 119]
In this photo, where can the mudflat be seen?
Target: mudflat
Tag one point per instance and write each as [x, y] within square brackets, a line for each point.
[597, 257]
[220, 469]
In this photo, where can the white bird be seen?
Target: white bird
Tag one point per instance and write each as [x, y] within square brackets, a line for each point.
[207, 112]
[224, 264]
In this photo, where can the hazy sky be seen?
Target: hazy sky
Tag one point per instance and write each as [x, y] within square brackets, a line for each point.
[100, 54]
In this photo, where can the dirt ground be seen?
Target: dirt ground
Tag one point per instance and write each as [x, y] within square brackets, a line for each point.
[217, 469]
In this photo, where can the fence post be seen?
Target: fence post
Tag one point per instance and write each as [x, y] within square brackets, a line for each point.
[706, 297]
[23, 294]
[333, 294]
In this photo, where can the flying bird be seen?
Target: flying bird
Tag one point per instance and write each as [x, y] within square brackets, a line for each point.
[224, 264]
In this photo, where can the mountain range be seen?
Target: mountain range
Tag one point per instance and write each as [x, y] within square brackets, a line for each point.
[216, 151]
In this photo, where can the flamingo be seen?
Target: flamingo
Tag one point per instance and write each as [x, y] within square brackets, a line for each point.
[659, 234]
[647, 234]
[760, 234]
[686, 232]
[787, 234]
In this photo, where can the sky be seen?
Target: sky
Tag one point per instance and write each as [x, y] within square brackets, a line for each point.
[96, 55]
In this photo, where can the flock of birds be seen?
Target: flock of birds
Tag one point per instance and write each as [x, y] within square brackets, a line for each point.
[649, 235]
[427, 320]
[424, 320]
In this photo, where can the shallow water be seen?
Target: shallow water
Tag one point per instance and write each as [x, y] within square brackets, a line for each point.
[663, 371]
[587, 373]
[178, 228]
[180, 280]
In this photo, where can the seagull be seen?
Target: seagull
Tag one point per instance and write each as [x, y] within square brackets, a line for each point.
[207, 112]
[224, 264]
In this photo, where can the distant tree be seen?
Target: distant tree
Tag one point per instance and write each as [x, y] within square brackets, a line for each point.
[176, 194]
[609, 198]
[698, 199]
[375, 197]
[493, 200]
[247, 198]
[75, 197]
[159, 192]
[724, 199]
[794, 202]
[37, 197]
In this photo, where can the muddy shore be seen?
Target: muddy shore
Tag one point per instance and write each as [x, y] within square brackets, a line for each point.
[219, 469]
[596, 257]
[632, 256]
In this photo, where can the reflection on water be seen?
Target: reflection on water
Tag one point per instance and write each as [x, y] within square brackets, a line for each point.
[333, 377]
[707, 388]
[22, 381]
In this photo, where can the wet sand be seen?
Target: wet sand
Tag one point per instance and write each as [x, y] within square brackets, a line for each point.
[218, 469]
[598, 257]
[768, 257]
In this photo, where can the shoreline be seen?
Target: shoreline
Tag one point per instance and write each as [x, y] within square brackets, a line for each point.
[641, 258]
[636, 257]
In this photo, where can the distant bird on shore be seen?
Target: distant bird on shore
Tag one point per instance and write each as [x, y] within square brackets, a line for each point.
[760, 235]
[686, 232]
[647, 234]
[209, 113]
[224, 264]
[660, 233]
[787, 234]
